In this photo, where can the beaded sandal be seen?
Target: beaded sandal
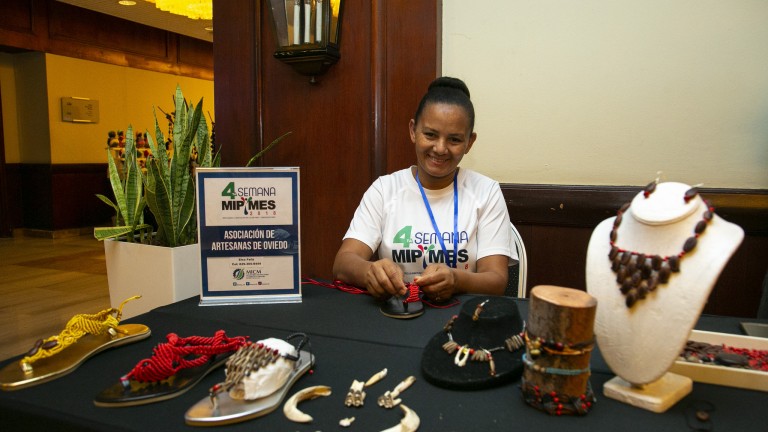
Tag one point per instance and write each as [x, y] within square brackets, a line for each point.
[259, 377]
[406, 307]
[84, 336]
[174, 368]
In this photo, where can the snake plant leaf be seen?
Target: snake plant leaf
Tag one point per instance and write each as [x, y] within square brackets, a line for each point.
[203, 145]
[141, 232]
[109, 203]
[158, 149]
[158, 195]
[133, 181]
[117, 188]
[267, 148]
[187, 222]
[180, 169]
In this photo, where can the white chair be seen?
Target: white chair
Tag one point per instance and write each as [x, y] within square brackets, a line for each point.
[522, 266]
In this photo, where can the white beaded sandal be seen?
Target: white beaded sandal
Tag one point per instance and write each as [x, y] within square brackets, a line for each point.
[258, 377]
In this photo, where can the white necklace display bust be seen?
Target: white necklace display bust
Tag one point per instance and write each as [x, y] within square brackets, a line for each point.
[642, 342]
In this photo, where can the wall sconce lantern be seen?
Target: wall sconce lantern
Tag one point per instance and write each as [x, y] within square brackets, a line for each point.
[307, 34]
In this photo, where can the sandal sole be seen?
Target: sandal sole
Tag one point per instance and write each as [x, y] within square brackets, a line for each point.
[395, 308]
[12, 377]
[116, 396]
[232, 411]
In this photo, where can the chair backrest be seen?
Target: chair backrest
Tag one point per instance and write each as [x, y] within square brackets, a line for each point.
[518, 274]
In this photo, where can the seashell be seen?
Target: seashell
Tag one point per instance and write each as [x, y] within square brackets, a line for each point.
[272, 373]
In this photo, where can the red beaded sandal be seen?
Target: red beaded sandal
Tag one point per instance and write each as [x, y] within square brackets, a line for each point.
[259, 377]
[84, 336]
[174, 368]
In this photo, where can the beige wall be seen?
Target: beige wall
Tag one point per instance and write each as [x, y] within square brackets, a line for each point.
[126, 97]
[612, 91]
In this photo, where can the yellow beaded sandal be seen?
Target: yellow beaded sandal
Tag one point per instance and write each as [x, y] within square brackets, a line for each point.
[84, 336]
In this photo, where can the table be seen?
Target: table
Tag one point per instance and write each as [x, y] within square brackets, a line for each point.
[351, 340]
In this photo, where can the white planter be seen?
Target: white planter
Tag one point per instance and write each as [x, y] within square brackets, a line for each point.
[161, 275]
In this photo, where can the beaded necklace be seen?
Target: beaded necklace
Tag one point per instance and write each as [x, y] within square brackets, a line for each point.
[638, 273]
[465, 352]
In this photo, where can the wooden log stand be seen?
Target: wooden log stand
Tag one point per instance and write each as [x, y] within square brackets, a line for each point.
[559, 341]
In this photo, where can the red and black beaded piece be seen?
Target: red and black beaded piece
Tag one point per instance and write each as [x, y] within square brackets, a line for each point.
[638, 273]
[558, 404]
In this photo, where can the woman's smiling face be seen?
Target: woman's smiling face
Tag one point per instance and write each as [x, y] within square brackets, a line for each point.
[441, 137]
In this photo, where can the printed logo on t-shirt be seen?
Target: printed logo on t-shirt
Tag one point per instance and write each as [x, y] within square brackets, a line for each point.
[428, 248]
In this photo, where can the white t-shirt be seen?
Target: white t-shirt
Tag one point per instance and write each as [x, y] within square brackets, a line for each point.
[393, 221]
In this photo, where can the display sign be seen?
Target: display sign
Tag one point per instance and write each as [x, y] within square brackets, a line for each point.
[248, 230]
[79, 110]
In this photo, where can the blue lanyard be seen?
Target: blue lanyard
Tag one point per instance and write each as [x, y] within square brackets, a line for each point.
[450, 262]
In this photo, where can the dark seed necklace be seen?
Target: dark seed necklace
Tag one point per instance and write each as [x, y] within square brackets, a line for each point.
[638, 273]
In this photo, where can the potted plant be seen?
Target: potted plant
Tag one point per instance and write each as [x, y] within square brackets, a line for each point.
[167, 255]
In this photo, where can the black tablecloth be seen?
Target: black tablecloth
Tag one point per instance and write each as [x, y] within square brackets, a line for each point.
[351, 340]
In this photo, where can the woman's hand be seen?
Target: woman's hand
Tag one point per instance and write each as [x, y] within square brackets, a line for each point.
[438, 282]
[384, 279]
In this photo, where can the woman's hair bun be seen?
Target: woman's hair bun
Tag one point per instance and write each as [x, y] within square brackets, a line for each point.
[449, 82]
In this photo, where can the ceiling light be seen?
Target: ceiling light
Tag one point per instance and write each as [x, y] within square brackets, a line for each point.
[127, 2]
[194, 9]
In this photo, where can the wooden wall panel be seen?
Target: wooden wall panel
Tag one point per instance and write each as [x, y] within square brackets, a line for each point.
[412, 62]
[338, 124]
[108, 32]
[59, 28]
[74, 188]
[17, 16]
[331, 123]
[238, 132]
[38, 206]
[64, 197]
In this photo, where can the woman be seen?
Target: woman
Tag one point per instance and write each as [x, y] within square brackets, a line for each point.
[443, 228]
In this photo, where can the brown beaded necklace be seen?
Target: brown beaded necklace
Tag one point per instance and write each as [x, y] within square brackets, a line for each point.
[638, 273]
